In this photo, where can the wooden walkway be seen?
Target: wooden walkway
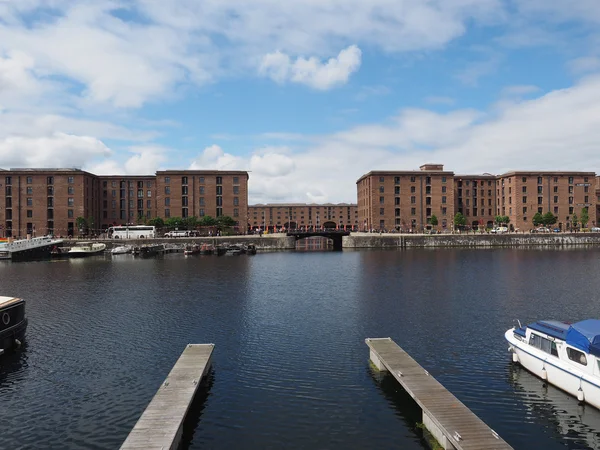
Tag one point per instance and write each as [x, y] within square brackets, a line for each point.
[447, 418]
[161, 425]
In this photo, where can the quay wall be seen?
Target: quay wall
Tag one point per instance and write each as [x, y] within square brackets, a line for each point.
[265, 243]
[373, 240]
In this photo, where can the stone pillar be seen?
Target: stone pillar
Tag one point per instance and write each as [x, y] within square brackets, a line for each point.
[377, 362]
[433, 429]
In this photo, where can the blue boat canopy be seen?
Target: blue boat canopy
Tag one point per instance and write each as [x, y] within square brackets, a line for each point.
[552, 328]
[585, 335]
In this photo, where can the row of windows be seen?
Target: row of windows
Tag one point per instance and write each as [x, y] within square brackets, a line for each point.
[140, 193]
[540, 190]
[413, 179]
[413, 200]
[130, 184]
[413, 212]
[413, 190]
[122, 203]
[49, 180]
[201, 212]
[201, 180]
[548, 346]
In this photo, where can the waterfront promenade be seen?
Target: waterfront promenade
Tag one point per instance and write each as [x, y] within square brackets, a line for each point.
[281, 241]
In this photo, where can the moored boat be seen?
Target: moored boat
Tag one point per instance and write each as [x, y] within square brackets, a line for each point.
[207, 249]
[121, 250]
[234, 250]
[13, 323]
[565, 355]
[149, 250]
[192, 249]
[28, 249]
[251, 249]
[84, 249]
[59, 252]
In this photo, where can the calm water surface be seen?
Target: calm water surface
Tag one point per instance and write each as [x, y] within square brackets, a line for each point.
[290, 365]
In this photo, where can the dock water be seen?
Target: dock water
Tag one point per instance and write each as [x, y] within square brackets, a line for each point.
[452, 424]
[160, 426]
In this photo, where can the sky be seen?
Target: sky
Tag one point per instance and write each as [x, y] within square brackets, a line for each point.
[305, 95]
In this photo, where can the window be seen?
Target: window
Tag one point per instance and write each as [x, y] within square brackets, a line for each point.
[201, 201]
[396, 190]
[443, 199]
[114, 204]
[413, 211]
[556, 199]
[381, 189]
[381, 179]
[167, 180]
[219, 190]
[219, 180]
[149, 184]
[71, 190]
[585, 179]
[444, 211]
[524, 199]
[236, 180]
[49, 180]
[556, 179]
[149, 204]
[382, 211]
[29, 201]
[413, 189]
[70, 201]
[524, 179]
[184, 190]
[443, 179]
[219, 201]
[381, 200]
[540, 189]
[539, 180]
[71, 180]
[149, 194]
[70, 213]
[29, 213]
[555, 189]
[413, 199]
[443, 189]
[570, 180]
[184, 180]
[29, 180]
[168, 201]
[114, 193]
[236, 201]
[202, 190]
[167, 190]
[545, 345]
[184, 201]
[167, 213]
[586, 199]
[570, 189]
[201, 180]
[397, 201]
[570, 200]
[113, 184]
[524, 209]
[540, 200]
[396, 180]
[236, 212]
[236, 190]
[184, 212]
[556, 210]
[576, 356]
[524, 189]
[413, 179]
[201, 212]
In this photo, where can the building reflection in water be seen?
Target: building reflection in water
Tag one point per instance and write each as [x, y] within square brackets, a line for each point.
[314, 243]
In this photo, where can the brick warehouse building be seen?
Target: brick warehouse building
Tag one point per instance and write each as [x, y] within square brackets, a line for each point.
[406, 200]
[302, 215]
[48, 201]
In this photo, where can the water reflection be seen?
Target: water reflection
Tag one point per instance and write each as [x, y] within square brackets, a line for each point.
[577, 425]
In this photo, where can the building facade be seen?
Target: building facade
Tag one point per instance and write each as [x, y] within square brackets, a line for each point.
[275, 216]
[520, 195]
[46, 201]
[49, 201]
[127, 199]
[406, 200]
[475, 198]
[200, 193]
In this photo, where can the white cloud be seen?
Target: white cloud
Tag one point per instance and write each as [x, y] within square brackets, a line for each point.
[585, 64]
[213, 157]
[272, 164]
[57, 150]
[519, 90]
[312, 72]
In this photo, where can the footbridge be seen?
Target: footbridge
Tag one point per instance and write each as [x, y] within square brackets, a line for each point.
[335, 235]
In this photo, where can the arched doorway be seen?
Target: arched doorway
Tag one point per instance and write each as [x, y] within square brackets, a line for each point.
[290, 225]
[329, 225]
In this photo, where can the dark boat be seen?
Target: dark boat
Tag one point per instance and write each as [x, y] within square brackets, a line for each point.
[13, 323]
[251, 249]
[193, 249]
[28, 249]
[221, 250]
[59, 252]
[234, 250]
[147, 251]
[207, 249]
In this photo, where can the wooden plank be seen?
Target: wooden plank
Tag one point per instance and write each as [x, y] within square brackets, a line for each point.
[160, 425]
[446, 411]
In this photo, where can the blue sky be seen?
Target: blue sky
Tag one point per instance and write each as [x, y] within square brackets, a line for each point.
[307, 95]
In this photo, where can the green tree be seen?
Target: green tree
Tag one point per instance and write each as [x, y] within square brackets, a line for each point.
[208, 221]
[81, 224]
[434, 220]
[585, 218]
[174, 222]
[574, 221]
[225, 222]
[156, 222]
[538, 219]
[459, 220]
[191, 222]
[548, 219]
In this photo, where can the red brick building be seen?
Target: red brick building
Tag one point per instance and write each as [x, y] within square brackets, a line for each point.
[406, 200]
[303, 215]
[475, 198]
[127, 199]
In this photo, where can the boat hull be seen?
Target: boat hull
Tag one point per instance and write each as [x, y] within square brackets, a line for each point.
[13, 325]
[38, 253]
[85, 254]
[582, 386]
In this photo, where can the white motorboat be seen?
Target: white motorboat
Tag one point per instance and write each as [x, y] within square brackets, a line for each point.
[83, 249]
[122, 250]
[562, 354]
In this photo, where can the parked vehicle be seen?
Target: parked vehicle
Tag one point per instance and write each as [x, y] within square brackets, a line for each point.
[132, 232]
[542, 230]
[595, 229]
[178, 233]
[499, 230]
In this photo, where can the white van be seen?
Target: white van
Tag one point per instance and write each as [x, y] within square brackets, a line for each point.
[175, 234]
[500, 230]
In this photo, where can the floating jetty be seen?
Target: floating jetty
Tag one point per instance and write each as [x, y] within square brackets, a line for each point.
[161, 424]
[452, 424]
